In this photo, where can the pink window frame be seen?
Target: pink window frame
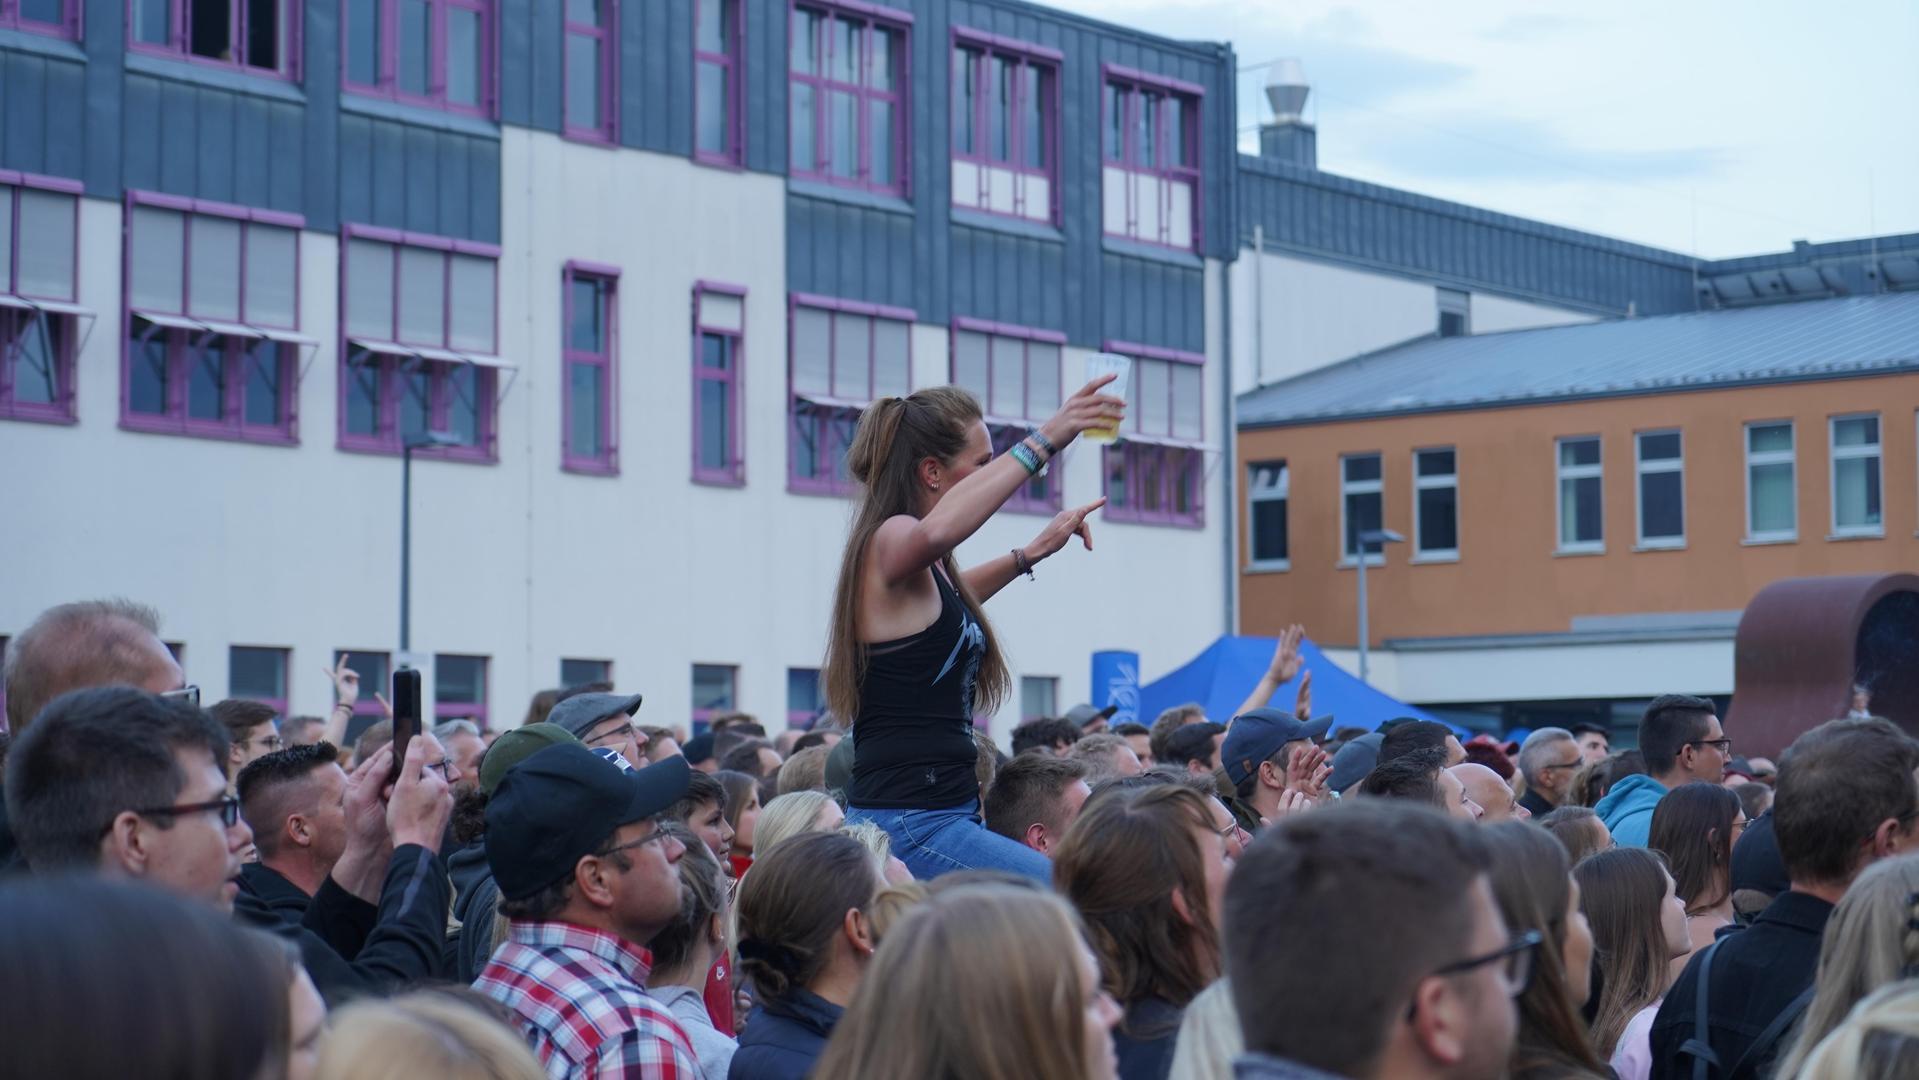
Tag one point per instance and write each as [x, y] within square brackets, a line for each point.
[367, 704]
[1131, 86]
[1007, 430]
[387, 67]
[734, 156]
[1132, 453]
[386, 440]
[733, 377]
[63, 410]
[607, 462]
[178, 47]
[181, 354]
[69, 26]
[286, 675]
[703, 718]
[608, 36]
[456, 710]
[839, 417]
[870, 17]
[984, 48]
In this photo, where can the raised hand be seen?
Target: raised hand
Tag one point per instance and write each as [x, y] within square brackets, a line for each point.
[1286, 659]
[1307, 770]
[1087, 408]
[1303, 703]
[421, 803]
[1064, 526]
[346, 682]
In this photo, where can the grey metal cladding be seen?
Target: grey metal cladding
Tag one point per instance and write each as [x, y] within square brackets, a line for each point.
[43, 114]
[209, 142]
[404, 176]
[1321, 215]
[764, 75]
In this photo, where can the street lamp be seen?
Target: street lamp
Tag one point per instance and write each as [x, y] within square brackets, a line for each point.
[1368, 539]
[407, 445]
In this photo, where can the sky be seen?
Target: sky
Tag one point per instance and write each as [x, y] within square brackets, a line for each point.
[1701, 126]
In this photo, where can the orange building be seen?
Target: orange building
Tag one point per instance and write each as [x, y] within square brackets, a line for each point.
[1585, 509]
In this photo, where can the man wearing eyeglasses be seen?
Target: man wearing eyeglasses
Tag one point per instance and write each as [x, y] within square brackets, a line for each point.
[1682, 741]
[588, 878]
[249, 725]
[603, 720]
[1388, 904]
[1548, 759]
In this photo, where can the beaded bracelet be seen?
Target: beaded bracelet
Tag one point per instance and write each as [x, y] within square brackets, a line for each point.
[1044, 443]
[1023, 454]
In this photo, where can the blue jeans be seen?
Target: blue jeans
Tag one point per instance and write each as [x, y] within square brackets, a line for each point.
[935, 842]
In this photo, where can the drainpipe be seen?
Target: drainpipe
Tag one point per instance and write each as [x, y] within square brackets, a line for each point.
[1228, 434]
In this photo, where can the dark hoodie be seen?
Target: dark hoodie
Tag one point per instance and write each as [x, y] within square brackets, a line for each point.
[783, 1039]
[475, 898]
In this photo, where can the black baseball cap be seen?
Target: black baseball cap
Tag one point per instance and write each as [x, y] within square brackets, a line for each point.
[562, 803]
[698, 748]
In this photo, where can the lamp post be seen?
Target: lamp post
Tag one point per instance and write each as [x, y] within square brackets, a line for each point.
[1368, 538]
[409, 444]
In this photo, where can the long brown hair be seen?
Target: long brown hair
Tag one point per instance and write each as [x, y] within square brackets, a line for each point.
[1531, 882]
[793, 903]
[894, 436]
[1120, 864]
[1621, 891]
[1692, 828]
[1012, 955]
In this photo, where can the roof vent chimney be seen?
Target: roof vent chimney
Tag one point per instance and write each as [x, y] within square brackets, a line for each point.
[1287, 136]
[1287, 89]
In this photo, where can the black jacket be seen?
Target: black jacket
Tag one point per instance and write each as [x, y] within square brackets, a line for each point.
[783, 1039]
[1756, 974]
[272, 888]
[475, 898]
[1144, 1040]
[1536, 805]
[352, 948]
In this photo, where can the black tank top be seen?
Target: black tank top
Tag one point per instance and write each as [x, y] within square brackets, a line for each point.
[913, 739]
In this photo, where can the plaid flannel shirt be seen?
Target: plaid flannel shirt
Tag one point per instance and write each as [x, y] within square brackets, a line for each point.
[580, 994]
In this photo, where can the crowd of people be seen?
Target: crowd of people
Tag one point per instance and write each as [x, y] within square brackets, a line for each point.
[1262, 895]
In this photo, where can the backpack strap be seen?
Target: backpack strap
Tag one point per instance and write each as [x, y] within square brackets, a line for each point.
[1699, 1047]
[1749, 1061]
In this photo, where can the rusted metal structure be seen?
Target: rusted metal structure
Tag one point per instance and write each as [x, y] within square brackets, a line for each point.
[1804, 644]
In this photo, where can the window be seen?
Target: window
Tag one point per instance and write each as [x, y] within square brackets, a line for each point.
[1362, 503]
[1149, 180]
[1005, 101]
[1662, 489]
[39, 323]
[418, 354]
[423, 52]
[1038, 697]
[804, 704]
[844, 356]
[713, 692]
[459, 688]
[258, 674]
[213, 306]
[1268, 486]
[1435, 504]
[848, 96]
[1015, 374]
[1855, 476]
[1455, 313]
[1154, 475]
[60, 18]
[590, 404]
[1581, 517]
[376, 670]
[1772, 511]
[254, 35]
[719, 336]
[581, 672]
[592, 69]
[717, 134]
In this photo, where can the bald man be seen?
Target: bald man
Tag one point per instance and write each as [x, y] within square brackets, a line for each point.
[1493, 794]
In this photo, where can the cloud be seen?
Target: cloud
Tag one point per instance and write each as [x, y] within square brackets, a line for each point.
[1532, 26]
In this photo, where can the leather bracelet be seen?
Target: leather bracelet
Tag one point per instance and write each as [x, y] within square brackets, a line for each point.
[1028, 460]
[343, 705]
[1043, 442]
[1021, 566]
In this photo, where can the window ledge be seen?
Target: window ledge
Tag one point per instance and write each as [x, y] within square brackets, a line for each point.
[588, 468]
[1659, 545]
[1574, 552]
[1266, 568]
[1352, 564]
[467, 457]
[715, 480]
[44, 44]
[1194, 525]
[1768, 541]
[1435, 558]
[31, 415]
[162, 426]
[266, 86]
[979, 219]
[815, 189]
[416, 115]
[1119, 245]
[1877, 534]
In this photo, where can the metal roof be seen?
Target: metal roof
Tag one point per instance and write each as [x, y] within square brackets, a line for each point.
[1811, 339]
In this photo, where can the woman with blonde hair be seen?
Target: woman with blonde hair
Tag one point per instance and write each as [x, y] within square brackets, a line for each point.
[910, 656]
[794, 813]
[1879, 1040]
[1871, 940]
[427, 1033]
[1029, 1003]
[684, 953]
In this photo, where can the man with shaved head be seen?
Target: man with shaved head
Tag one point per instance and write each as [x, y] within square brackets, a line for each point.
[76, 646]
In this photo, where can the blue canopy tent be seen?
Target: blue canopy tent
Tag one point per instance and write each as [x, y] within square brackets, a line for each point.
[1222, 676]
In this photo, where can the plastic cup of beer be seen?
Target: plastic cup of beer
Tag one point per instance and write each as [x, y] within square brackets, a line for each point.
[1100, 365]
